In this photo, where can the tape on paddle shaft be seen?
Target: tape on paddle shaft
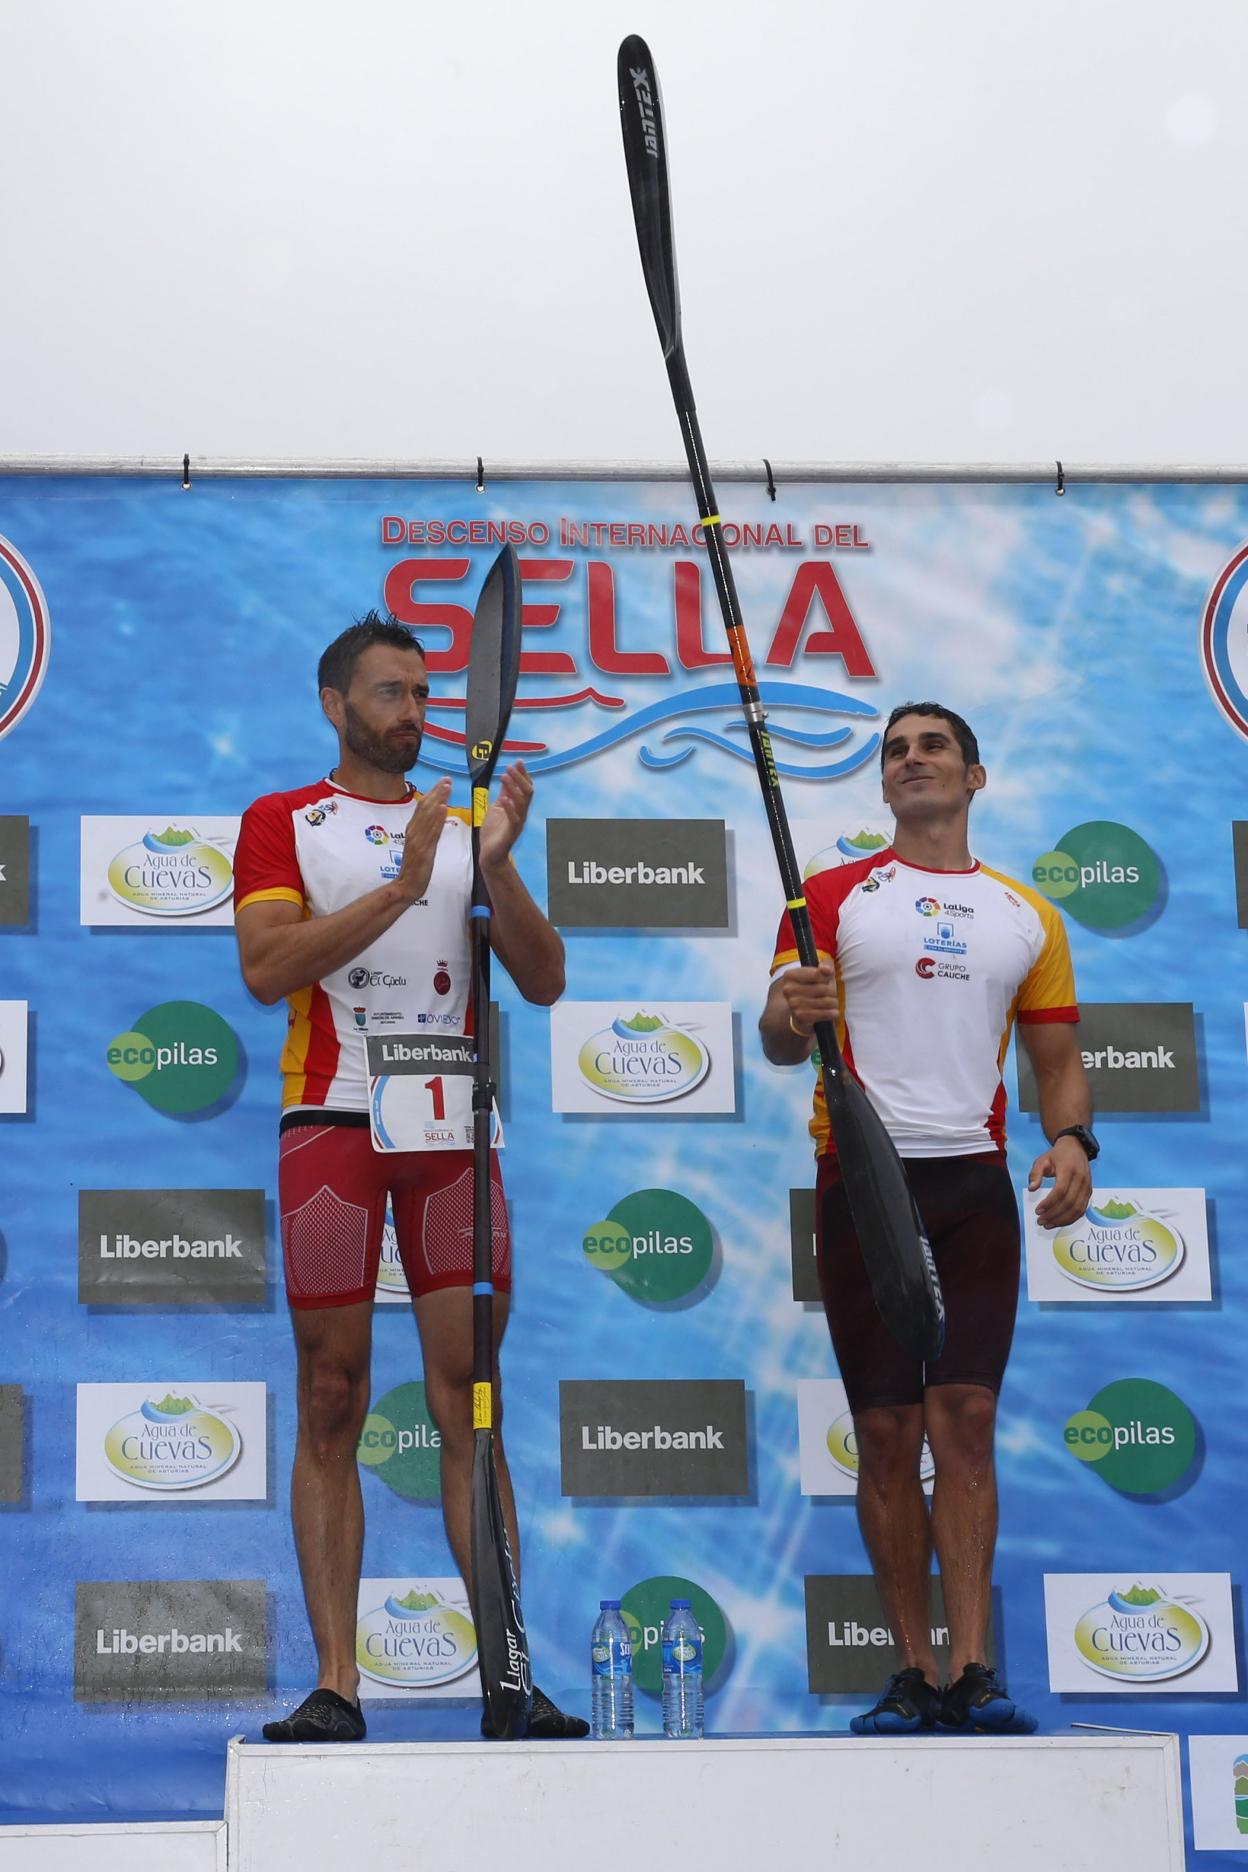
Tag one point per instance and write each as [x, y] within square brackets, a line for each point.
[482, 1406]
[480, 801]
[481, 910]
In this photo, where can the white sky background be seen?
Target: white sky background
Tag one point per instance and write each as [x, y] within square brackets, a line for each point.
[979, 230]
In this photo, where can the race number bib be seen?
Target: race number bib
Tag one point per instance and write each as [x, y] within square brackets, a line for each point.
[420, 1093]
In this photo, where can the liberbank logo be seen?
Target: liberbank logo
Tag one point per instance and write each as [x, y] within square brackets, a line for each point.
[1140, 1056]
[637, 873]
[161, 1640]
[850, 1648]
[138, 870]
[167, 1247]
[14, 870]
[25, 636]
[180, 1056]
[414, 1636]
[653, 1437]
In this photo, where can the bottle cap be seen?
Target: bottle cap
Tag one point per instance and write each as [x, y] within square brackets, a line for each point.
[608, 1605]
[680, 1605]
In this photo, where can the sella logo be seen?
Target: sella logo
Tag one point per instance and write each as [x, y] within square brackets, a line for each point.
[25, 636]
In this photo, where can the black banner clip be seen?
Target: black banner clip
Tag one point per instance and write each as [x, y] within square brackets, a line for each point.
[1061, 480]
[771, 479]
[186, 471]
[480, 476]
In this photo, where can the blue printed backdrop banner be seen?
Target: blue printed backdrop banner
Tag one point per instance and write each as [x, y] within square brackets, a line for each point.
[152, 1604]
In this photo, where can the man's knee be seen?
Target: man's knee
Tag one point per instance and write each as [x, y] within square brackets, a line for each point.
[890, 1439]
[333, 1402]
[961, 1422]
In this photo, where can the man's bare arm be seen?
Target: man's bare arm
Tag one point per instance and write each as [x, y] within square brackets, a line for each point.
[1065, 1099]
[797, 1000]
[281, 951]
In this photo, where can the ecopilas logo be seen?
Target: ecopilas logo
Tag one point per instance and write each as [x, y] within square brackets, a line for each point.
[400, 1443]
[172, 872]
[643, 1060]
[179, 1056]
[1137, 1436]
[655, 1244]
[646, 1605]
[1102, 874]
[171, 1443]
[1118, 1246]
[1141, 1635]
[414, 1635]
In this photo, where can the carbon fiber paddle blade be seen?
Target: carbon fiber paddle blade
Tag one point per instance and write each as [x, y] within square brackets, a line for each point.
[895, 1248]
[645, 154]
[502, 1647]
[493, 666]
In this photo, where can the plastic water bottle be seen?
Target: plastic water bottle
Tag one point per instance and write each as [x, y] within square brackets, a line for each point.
[682, 1674]
[611, 1658]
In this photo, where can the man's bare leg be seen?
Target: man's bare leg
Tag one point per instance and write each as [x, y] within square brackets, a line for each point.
[892, 1513]
[444, 1318]
[961, 1419]
[334, 1345]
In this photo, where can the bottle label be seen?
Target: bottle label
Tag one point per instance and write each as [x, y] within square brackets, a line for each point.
[611, 1660]
[681, 1655]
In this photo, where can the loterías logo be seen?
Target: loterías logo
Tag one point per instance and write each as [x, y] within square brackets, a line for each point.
[1224, 640]
[25, 636]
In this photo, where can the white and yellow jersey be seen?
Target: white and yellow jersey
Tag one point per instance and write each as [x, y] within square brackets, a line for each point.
[932, 967]
[321, 848]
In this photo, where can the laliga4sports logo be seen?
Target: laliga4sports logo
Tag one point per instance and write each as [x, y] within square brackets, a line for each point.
[25, 636]
[1104, 875]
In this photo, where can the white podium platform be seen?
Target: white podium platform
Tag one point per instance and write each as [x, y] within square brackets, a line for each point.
[1067, 1803]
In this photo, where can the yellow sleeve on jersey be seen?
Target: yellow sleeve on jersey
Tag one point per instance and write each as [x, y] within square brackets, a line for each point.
[1048, 989]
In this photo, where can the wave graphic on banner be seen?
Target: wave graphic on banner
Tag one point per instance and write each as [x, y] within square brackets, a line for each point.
[539, 757]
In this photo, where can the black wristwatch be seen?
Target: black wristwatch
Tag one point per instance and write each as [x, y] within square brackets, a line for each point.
[1083, 1136]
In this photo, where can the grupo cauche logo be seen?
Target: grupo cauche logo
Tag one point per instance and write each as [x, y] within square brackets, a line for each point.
[1118, 1246]
[1224, 640]
[643, 1060]
[1141, 1635]
[171, 873]
[171, 1443]
[25, 636]
[416, 1639]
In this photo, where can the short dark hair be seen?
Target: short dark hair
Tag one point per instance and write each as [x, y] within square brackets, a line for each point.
[962, 730]
[337, 664]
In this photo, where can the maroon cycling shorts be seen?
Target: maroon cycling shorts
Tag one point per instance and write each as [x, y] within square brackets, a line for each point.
[971, 1217]
[332, 1192]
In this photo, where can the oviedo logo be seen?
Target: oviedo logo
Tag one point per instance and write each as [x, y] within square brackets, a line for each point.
[1119, 1247]
[400, 1444]
[1138, 1436]
[1142, 1636]
[180, 1056]
[843, 1449]
[644, 1608]
[655, 1244]
[643, 1060]
[1102, 874]
[416, 1639]
[172, 873]
[173, 1443]
[25, 636]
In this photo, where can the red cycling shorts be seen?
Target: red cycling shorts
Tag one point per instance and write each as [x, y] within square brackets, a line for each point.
[332, 1192]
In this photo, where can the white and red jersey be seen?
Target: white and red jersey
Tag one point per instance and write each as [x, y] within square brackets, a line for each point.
[932, 967]
[322, 848]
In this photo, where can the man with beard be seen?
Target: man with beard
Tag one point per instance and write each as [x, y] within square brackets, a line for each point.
[352, 901]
